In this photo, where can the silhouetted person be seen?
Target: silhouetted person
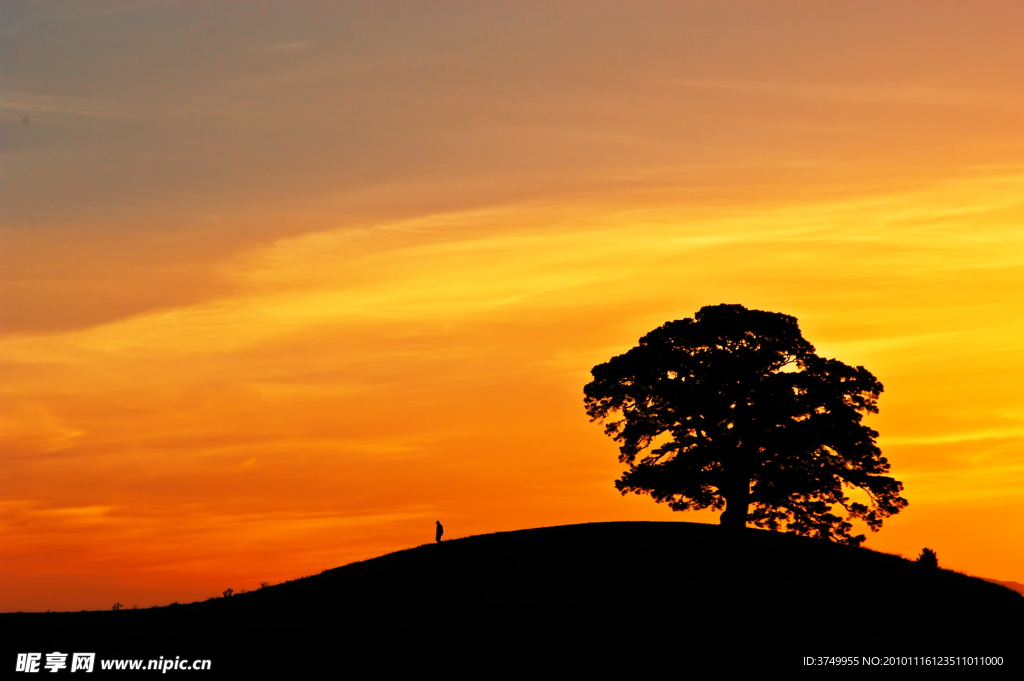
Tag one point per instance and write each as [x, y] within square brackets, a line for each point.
[440, 531]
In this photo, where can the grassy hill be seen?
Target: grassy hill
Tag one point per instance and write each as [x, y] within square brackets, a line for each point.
[1016, 586]
[622, 594]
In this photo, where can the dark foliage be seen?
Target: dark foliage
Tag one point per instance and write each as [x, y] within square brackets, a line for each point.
[733, 409]
[928, 558]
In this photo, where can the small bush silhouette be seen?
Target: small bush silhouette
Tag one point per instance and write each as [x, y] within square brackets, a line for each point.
[228, 593]
[928, 558]
[264, 585]
[117, 606]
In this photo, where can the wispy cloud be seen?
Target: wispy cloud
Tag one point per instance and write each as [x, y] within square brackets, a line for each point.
[863, 92]
[457, 266]
[956, 437]
[288, 47]
[59, 104]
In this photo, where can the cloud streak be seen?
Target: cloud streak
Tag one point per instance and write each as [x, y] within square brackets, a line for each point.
[60, 105]
[874, 93]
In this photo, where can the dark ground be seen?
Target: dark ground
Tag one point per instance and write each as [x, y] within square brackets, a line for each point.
[638, 597]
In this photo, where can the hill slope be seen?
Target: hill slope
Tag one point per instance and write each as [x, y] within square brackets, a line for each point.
[1016, 586]
[602, 589]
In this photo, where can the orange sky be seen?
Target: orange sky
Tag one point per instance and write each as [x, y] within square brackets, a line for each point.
[281, 287]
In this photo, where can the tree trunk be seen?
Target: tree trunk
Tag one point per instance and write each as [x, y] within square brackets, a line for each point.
[737, 503]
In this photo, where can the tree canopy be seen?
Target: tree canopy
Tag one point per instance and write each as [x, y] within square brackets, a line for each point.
[734, 409]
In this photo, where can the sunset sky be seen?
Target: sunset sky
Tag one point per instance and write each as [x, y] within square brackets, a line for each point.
[281, 284]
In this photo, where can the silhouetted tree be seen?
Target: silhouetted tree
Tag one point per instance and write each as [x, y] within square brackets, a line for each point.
[928, 558]
[740, 413]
